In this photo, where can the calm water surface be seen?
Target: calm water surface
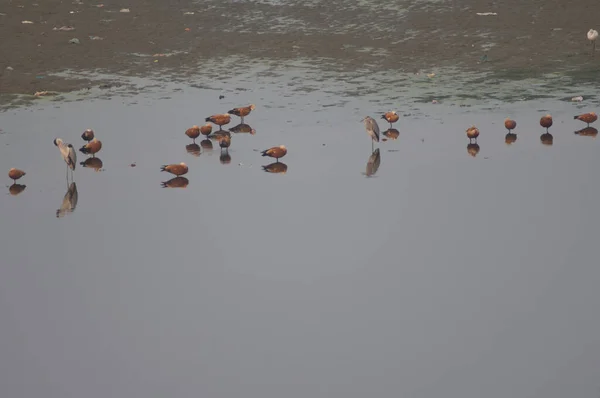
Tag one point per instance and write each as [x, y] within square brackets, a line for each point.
[442, 275]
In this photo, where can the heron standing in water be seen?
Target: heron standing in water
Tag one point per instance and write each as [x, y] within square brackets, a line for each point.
[68, 154]
[372, 129]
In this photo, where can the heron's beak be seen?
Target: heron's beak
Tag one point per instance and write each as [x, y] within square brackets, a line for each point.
[363, 119]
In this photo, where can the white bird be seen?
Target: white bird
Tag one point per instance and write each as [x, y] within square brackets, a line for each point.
[592, 35]
[68, 153]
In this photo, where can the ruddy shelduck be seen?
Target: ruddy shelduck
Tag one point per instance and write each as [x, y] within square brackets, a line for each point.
[88, 135]
[546, 122]
[510, 124]
[242, 111]
[92, 147]
[206, 129]
[391, 117]
[220, 120]
[472, 133]
[15, 174]
[588, 118]
[275, 152]
[193, 132]
[224, 142]
[176, 169]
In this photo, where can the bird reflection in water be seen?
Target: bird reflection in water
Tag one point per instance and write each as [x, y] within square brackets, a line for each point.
[93, 163]
[373, 163]
[547, 139]
[177, 182]
[243, 128]
[391, 134]
[206, 144]
[473, 149]
[587, 132]
[16, 189]
[510, 138]
[218, 135]
[225, 157]
[276, 168]
[69, 202]
[194, 149]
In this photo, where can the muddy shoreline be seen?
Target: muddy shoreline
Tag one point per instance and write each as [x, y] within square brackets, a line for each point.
[155, 37]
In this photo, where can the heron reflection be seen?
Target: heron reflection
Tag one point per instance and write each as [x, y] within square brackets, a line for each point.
[69, 202]
[373, 163]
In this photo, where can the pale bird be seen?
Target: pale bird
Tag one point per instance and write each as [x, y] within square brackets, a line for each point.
[592, 35]
[68, 154]
[372, 129]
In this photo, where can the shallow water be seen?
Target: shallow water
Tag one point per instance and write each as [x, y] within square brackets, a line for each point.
[439, 275]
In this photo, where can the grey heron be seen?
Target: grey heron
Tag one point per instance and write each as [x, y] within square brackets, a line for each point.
[68, 154]
[372, 129]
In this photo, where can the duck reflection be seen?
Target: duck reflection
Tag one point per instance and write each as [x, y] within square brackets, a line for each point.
[194, 149]
[16, 189]
[373, 163]
[225, 157]
[510, 138]
[276, 168]
[473, 149]
[243, 128]
[69, 202]
[177, 182]
[391, 134]
[547, 139]
[93, 163]
[587, 132]
[218, 135]
[206, 144]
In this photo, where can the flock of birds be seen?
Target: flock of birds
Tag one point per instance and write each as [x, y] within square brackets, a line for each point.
[93, 146]
[473, 149]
